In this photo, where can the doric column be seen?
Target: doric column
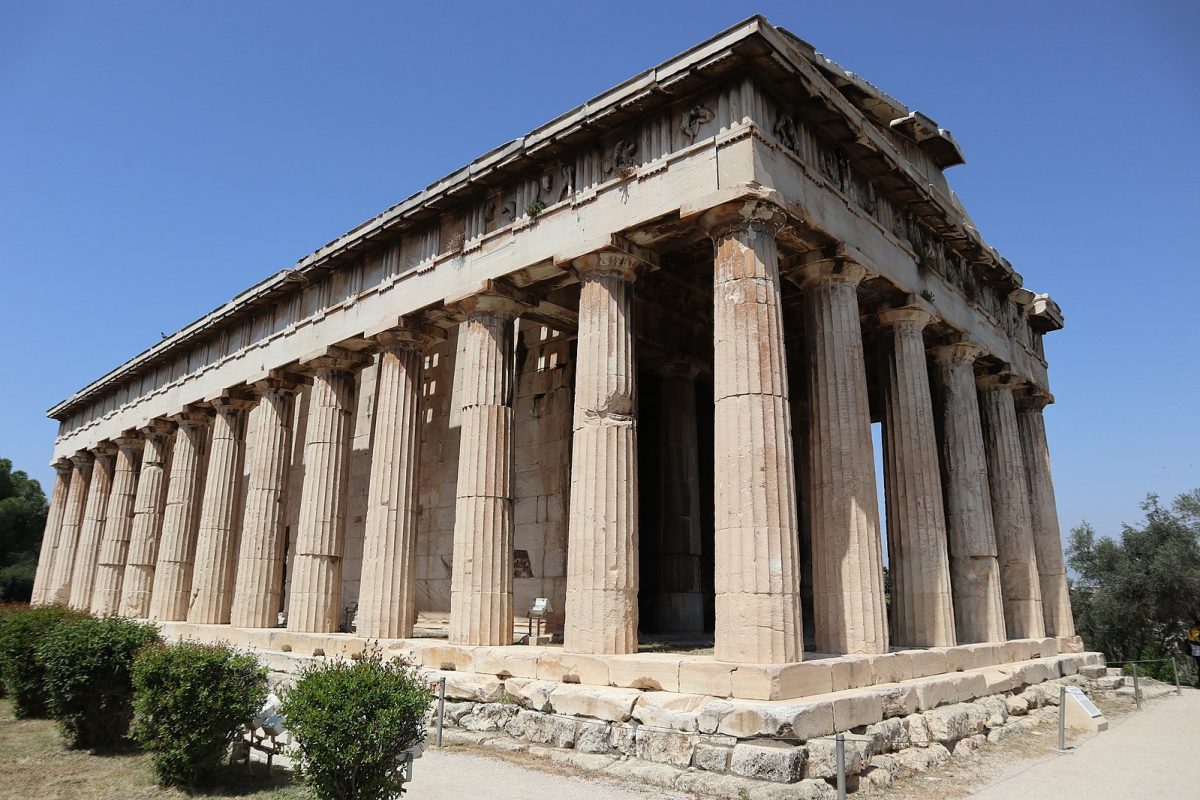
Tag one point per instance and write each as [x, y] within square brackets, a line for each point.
[220, 515]
[54, 519]
[387, 597]
[678, 603]
[602, 544]
[922, 611]
[1047, 541]
[58, 590]
[756, 544]
[118, 524]
[181, 518]
[314, 603]
[1009, 490]
[258, 592]
[974, 570]
[847, 556]
[148, 505]
[83, 572]
[481, 611]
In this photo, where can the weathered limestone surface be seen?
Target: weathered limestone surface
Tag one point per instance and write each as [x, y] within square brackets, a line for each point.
[148, 506]
[118, 527]
[54, 520]
[922, 612]
[316, 591]
[220, 515]
[258, 591]
[1047, 541]
[757, 562]
[974, 569]
[83, 571]
[847, 556]
[1010, 509]
[602, 549]
[181, 518]
[481, 609]
[387, 598]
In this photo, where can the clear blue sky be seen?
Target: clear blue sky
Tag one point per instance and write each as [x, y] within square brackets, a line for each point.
[158, 157]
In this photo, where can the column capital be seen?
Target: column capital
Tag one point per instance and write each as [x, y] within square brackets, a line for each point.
[907, 316]
[192, 416]
[1002, 379]
[61, 465]
[130, 439]
[336, 359]
[607, 262]
[281, 379]
[82, 460]
[1034, 398]
[830, 265]
[105, 449]
[232, 400]
[956, 352]
[157, 427]
[492, 299]
[750, 214]
[406, 333]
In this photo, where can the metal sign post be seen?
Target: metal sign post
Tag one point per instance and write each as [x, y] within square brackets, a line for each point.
[441, 707]
[840, 751]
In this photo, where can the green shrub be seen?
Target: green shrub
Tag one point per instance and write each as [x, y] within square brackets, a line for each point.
[21, 631]
[89, 687]
[351, 721]
[188, 698]
[16, 581]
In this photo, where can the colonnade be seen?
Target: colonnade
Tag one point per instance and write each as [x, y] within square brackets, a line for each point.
[154, 524]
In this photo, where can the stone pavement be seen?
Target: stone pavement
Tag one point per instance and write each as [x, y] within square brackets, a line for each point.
[1148, 754]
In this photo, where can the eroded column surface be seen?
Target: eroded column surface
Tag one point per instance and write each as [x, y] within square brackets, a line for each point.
[181, 518]
[481, 610]
[1009, 489]
[387, 597]
[756, 544]
[974, 569]
[602, 545]
[58, 589]
[922, 610]
[54, 519]
[847, 556]
[220, 515]
[118, 525]
[258, 591]
[315, 600]
[679, 590]
[148, 506]
[1043, 510]
[83, 572]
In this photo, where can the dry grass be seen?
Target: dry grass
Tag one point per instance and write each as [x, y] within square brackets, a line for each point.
[34, 765]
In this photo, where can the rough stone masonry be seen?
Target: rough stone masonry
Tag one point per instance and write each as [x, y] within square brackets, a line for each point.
[629, 362]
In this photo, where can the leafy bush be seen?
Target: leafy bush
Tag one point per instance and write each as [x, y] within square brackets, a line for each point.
[351, 721]
[16, 581]
[89, 687]
[188, 698]
[21, 631]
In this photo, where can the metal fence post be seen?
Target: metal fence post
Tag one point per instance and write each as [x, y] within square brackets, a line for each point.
[840, 751]
[1175, 670]
[1137, 692]
[441, 708]
[1062, 718]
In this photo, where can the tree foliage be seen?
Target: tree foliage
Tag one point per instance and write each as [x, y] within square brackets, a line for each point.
[1136, 597]
[22, 517]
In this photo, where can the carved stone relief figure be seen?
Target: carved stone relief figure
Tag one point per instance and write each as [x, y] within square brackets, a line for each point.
[568, 186]
[623, 161]
[693, 119]
[785, 132]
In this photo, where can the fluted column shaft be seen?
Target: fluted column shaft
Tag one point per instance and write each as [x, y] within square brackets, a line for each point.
[847, 556]
[258, 592]
[922, 611]
[220, 516]
[83, 572]
[602, 546]
[481, 611]
[58, 590]
[387, 597]
[756, 544]
[1009, 490]
[679, 600]
[181, 518]
[315, 601]
[1047, 541]
[974, 569]
[118, 525]
[148, 506]
[54, 520]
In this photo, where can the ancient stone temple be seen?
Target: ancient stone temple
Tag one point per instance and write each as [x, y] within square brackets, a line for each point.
[629, 362]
